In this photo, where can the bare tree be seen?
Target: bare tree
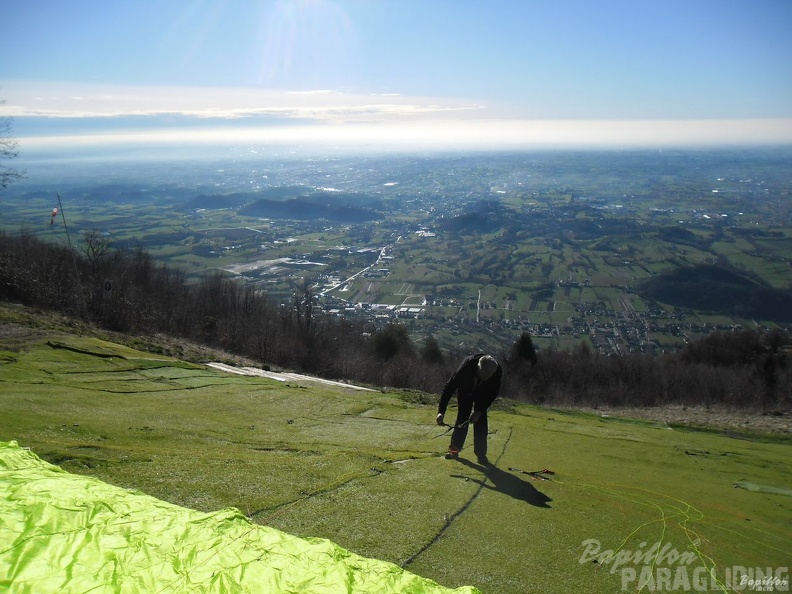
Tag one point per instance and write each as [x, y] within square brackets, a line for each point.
[8, 151]
[95, 249]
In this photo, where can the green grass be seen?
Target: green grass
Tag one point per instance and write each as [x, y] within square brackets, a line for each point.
[364, 469]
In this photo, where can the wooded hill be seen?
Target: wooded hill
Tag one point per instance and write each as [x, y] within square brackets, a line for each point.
[296, 203]
[720, 288]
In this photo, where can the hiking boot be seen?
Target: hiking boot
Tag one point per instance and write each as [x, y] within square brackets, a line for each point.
[452, 454]
[483, 460]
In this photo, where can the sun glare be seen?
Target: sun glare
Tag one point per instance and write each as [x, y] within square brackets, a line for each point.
[314, 38]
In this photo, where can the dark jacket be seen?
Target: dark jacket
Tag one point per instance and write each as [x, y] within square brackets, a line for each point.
[468, 387]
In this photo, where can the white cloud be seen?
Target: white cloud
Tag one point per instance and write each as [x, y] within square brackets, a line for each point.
[59, 100]
[316, 92]
[331, 118]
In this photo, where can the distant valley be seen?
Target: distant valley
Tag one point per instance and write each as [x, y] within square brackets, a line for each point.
[632, 251]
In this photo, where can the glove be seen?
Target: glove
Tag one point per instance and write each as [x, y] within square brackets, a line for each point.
[475, 416]
[439, 419]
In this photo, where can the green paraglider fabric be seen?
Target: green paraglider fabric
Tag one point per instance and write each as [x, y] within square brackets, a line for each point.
[61, 532]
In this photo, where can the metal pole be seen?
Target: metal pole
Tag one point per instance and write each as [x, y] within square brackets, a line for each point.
[71, 250]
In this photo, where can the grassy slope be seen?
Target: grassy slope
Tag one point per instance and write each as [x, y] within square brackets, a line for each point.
[363, 469]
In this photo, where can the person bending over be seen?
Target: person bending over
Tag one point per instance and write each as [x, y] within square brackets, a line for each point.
[477, 383]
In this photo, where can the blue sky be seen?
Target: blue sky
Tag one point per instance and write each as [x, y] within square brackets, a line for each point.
[402, 72]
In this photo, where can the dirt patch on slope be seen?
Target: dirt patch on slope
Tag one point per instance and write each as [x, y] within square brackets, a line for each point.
[775, 422]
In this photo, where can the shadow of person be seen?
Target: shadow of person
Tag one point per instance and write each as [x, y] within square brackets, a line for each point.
[507, 483]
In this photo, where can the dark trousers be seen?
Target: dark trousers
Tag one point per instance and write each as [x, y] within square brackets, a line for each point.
[480, 429]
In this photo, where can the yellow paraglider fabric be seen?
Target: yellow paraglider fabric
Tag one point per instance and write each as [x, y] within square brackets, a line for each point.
[61, 532]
